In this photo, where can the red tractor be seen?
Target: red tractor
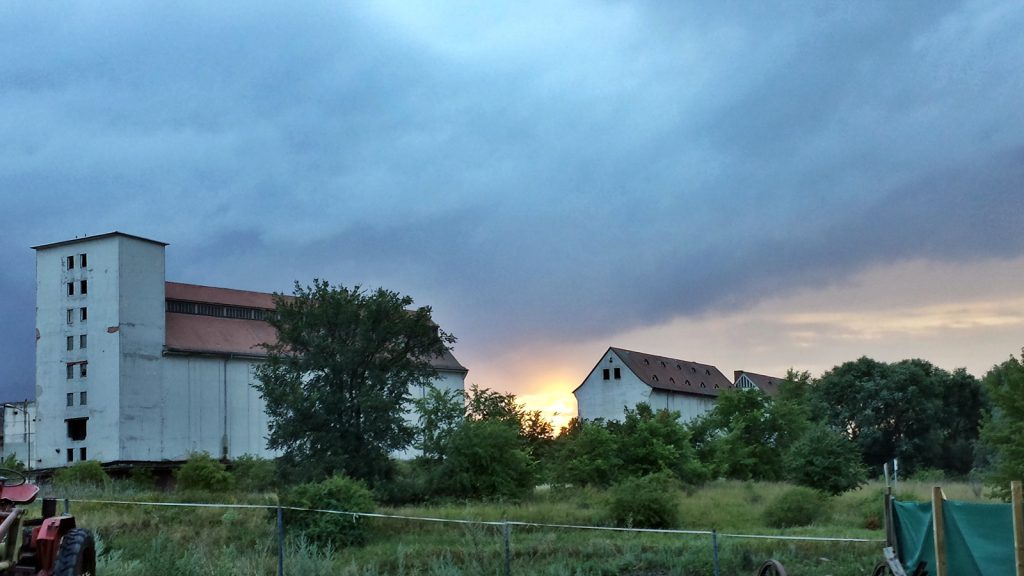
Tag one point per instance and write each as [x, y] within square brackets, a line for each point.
[50, 546]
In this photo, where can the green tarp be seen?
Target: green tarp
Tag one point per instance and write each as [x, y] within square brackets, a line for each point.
[979, 537]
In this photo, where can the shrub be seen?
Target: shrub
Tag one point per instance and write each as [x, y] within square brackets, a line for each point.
[335, 493]
[254, 474]
[931, 476]
[11, 462]
[88, 473]
[645, 502]
[202, 472]
[825, 460]
[486, 460]
[142, 478]
[798, 506]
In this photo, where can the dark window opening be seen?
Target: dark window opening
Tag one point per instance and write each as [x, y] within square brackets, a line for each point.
[83, 399]
[81, 453]
[77, 428]
[83, 260]
[83, 340]
[217, 310]
[71, 371]
[71, 454]
[618, 374]
[83, 369]
[84, 313]
[71, 262]
[71, 398]
[605, 373]
[71, 342]
[85, 287]
[654, 377]
[71, 288]
[71, 315]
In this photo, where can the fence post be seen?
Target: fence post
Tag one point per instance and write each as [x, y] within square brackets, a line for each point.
[280, 542]
[67, 507]
[940, 536]
[714, 551]
[1018, 526]
[505, 529]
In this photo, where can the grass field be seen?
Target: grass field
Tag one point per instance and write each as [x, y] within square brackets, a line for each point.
[147, 540]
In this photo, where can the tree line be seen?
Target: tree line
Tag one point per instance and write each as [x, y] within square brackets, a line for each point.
[336, 386]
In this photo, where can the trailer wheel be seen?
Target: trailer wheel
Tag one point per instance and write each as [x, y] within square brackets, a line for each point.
[882, 569]
[771, 568]
[77, 555]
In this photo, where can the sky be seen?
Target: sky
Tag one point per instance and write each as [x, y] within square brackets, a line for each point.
[754, 185]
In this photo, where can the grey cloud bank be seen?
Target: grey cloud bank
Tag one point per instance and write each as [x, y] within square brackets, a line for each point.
[533, 171]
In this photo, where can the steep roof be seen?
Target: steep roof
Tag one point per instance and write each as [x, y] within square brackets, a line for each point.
[767, 384]
[211, 334]
[675, 375]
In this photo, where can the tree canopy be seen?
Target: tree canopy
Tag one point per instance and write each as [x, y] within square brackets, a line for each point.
[1003, 430]
[337, 380]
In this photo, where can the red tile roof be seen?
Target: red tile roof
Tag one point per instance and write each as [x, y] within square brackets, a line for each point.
[198, 334]
[674, 375]
[196, 293]
[767, 384]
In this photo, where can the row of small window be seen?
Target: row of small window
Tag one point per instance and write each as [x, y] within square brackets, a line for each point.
[83, 287]
[83, 369]
[83, 398]
[607, 374]
[83, 261]
[83, 342]
[83, 315]
[82, 454]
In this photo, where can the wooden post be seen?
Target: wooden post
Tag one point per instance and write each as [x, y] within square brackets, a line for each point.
[940, 537]
[1018, 526]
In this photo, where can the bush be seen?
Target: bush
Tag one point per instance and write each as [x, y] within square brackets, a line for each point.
[798, 506]
[87, 473]
[486, 460]
[254, 474]
[335, 493]
[825, 460]
[202, 472]
[645, 502]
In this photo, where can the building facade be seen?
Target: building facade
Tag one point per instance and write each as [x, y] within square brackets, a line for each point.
[131, 368]
[624, 378]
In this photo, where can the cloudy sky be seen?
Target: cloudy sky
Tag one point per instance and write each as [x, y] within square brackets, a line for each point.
[754, 186]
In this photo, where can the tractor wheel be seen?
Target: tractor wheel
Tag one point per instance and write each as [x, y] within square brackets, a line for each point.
[771, 568]
[77, 555]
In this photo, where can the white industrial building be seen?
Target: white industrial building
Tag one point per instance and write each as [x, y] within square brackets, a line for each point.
[624, 378]
[131, 368]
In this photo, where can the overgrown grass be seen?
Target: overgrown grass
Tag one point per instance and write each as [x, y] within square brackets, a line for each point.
[149, 540]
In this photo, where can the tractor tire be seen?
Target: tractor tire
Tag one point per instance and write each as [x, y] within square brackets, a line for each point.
[771, 568]
[77, 555]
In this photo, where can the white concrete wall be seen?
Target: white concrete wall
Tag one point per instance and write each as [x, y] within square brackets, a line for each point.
[600, 398]
[102, 352]
[607, 399]
[141, 333]
[19, 432]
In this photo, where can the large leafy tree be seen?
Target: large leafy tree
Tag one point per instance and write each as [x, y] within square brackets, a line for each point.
[1003, 430]
[336, 381]
[911, 410]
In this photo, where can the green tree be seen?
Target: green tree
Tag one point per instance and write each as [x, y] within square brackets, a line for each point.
[650, 442]
[586, 454]
[439, 413]
[486, 459]
[911, 410]
[336, 381]
[825, 460]
[747, 433]
[1002, 432]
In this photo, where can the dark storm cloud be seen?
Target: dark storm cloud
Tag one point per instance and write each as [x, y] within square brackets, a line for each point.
[532, 170]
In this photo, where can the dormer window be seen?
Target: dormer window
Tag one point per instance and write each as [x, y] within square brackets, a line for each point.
[662, 363]
[693, 369]
[688, 383]
[647, 362]
[654, 377]
[707, 371]
[678, 367]
[702, 385]
[671, 379]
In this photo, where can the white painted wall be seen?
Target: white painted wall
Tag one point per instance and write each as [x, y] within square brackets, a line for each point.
[19, 431]
[607, 399]
[600, 398]
[102, 351]
[445, 381]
